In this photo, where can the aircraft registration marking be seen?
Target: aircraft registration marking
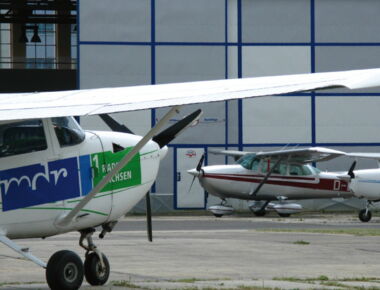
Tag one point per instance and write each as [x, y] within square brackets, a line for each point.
[64, 179]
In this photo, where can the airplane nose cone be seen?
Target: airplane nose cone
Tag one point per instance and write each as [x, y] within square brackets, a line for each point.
[163, 152]
[193, 172]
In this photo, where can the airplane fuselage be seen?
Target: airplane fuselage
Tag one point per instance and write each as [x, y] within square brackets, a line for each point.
[235, 181]
[39, 187]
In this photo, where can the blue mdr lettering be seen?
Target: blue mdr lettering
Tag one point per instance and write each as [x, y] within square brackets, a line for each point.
[39, 183]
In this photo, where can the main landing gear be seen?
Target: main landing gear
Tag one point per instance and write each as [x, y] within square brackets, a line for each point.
[65, 270]
[365, 215]
[222, 209]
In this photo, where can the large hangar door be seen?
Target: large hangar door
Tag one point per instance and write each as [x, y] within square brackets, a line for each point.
[188, 158]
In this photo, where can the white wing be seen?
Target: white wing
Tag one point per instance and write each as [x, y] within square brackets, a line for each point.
[111, 100]
[375, 156]
[303, 155]
[299, 155]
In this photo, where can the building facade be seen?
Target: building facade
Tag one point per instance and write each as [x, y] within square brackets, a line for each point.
[137, 42]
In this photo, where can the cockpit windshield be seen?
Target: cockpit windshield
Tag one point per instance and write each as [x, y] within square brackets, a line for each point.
[249, 161]
[68, 131]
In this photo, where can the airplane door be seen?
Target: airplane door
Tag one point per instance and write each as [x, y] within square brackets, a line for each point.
[94, 165]
[188, 158]
[81, 155]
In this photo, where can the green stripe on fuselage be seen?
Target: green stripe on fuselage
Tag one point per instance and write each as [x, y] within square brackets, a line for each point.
[130, 175]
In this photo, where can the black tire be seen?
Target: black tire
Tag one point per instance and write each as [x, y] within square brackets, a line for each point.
[284, 214]
[365, 217]
[260, 213]
[93, 272]
[64, 271]
[217, 215]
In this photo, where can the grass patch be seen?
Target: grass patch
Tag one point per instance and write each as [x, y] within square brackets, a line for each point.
[19, 283]
[303, 280]
[127, 284]
[361, 279]
[354, 232]
[301, 242]
[241, 287]
[334, 284]
[193, 280]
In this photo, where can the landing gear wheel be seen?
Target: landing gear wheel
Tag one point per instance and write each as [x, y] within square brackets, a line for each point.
[64, 271]
[93, 271]
[217, 215]
[365, 216]
[284, 214]
[260, 213]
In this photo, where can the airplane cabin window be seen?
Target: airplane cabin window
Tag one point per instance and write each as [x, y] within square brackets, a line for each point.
[300, 170]
[281, 169]
[255, 164]
[22, 137]
[246, 160]
[68, 131]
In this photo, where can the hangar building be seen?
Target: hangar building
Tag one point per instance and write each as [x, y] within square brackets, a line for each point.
[93, 43]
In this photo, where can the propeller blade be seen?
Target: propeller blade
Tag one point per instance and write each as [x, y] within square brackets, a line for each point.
[199, 166]
[149, 217]
[173, 131]
[191, 185]
[114, 125]
[198, 169]
[351, 170]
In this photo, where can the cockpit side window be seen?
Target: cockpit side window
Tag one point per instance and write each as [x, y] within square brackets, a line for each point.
[249, 161]
[299, 170]
[268, 164]
[68, 131]
[22, 137]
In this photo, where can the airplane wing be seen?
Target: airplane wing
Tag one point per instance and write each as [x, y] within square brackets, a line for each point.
[375, 156]
[112, 100]
[233, 153]
[298, 155]
[302, 155]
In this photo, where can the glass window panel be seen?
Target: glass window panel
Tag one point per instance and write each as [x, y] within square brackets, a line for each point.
[120, 21]
[189, 63]
[347, 21]
[186, 21]
[22, 137]
[232, 20]
[275, 60]
[276, 21]
[337, 58]
[114, 65]
[277, 120]
[347, 119]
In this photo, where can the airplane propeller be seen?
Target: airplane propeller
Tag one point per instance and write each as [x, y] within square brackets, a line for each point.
[162, 139]
[198, 169]
[351, 170]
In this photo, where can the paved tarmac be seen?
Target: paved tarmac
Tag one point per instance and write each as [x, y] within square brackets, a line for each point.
[231, 252]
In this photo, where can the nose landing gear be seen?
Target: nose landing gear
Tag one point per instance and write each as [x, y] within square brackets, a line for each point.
[96, 265]
[65, 270]
[365, 215]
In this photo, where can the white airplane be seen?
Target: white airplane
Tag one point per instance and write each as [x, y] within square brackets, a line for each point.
[264, 177]
[56, 178]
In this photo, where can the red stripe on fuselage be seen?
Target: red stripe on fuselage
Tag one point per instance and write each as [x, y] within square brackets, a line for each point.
[314, 183]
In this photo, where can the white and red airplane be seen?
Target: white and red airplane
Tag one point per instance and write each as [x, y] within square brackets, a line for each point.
[56, 178]
[266, 177]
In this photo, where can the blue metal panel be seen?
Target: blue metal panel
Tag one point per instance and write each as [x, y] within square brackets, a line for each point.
[85, 174]
[39, 183]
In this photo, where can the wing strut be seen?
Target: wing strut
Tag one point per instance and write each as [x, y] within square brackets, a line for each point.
[65, 220]
[22, 251]
[266, 177]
